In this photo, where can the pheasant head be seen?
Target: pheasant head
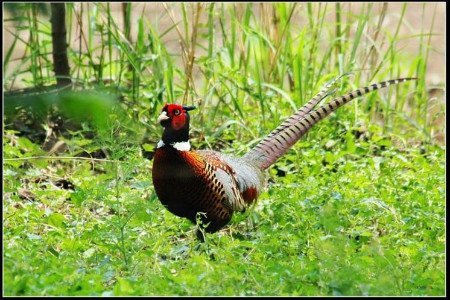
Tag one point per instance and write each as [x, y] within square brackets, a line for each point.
[175, 120]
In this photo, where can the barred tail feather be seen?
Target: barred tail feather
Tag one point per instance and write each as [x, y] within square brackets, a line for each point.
[290, 131]
[300, 113]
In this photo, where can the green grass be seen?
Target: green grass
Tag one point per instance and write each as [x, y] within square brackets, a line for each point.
[362, 218]
[357, 207]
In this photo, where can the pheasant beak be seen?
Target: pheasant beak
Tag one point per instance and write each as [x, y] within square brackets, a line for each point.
[162, 117]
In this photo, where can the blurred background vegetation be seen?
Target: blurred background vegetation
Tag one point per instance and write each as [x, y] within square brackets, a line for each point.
[357, 207]
[249, 62]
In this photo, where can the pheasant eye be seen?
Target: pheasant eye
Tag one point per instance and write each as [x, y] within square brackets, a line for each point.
[176, 112]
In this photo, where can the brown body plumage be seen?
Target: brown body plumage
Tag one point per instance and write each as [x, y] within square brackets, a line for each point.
[189, 182]
[208, 186]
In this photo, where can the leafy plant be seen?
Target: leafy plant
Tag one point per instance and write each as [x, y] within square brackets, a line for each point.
[357, 207]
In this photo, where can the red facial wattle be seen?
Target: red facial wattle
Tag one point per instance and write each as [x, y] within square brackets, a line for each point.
[175, 116]
[179, 121]
[178, 116]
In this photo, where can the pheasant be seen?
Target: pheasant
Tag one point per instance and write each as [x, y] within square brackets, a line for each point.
[207, 187]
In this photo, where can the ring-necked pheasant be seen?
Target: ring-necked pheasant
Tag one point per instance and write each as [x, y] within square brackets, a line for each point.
[210, 185]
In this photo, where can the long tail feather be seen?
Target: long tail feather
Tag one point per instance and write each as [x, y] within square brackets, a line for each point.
[290, 131]
[301, 112]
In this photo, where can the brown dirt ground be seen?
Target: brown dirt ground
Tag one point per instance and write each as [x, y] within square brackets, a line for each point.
[156, 13]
